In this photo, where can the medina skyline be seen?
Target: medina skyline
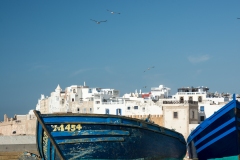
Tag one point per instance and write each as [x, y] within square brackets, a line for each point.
[46, 43]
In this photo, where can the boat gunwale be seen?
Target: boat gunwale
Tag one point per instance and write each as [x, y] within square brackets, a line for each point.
[38, 147]
[134, 126]
[40, 121]
[144, 126]
[105, 116]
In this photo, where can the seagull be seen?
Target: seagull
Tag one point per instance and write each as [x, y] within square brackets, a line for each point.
[98, 22]
[238, 18]
[149, 68]
[113, 12]
[145, 87]
[146, 69]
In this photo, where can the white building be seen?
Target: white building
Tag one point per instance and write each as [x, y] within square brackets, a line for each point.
[75, 99]
[160, 92]
[208, 103]
[191, 105]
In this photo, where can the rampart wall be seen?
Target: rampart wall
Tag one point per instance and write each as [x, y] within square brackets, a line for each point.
[18, 127]
[28, 127]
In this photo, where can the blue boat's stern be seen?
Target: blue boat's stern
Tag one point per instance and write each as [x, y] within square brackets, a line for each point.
[218, 136]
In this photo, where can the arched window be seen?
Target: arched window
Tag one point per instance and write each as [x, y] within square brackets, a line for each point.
[192, 114]
[181, 99]
[190, 98]
[118, 111]
[200, 99]
[106, 111]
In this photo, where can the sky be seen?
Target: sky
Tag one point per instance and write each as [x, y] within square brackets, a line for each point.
[46, 43]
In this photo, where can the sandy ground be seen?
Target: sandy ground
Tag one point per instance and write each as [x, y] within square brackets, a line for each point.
[16, 151]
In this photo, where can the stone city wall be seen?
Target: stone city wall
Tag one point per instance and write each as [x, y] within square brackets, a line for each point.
[157, 119]
[18, 127]
[28, 127]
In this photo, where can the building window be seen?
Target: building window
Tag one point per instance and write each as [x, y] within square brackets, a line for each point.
[62, 101]
[84, 110]
[181, 99]
[74, 90]
[192, 114]
[97, 102]
[202, 108]
[72, 99]
[200, 99]
[202, 118]
[143, 109]
[118, 111]
[78, 110]
[106, 111]
[175, 114]
[135, 107]
[90, 91]
[190, 99]
[90, 110]
[128, 108]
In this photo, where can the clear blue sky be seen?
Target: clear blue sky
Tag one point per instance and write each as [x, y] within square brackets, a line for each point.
[46, 43]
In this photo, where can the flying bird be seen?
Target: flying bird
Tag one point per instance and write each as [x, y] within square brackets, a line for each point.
[112, 12]
[149, 68]
[238, 18]
[98, 22]
[146, 70]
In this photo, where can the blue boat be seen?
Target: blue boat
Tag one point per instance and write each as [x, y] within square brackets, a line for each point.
[218, 137]
[95, 136]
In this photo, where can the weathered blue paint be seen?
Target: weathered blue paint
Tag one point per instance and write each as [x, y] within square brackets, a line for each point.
[39, 139]
[52, 152]
[218, 136]
[49, 150]
[90, 132]
[88, 140]
[95, 136]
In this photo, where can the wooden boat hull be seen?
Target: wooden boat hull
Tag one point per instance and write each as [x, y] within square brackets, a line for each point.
[94, 136]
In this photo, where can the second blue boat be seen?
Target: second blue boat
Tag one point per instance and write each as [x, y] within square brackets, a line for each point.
[218, 137]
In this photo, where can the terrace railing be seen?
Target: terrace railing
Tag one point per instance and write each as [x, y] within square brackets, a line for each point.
[179, 102]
